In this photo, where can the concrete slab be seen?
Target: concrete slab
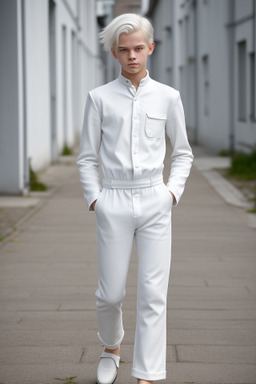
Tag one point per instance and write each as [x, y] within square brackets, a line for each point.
[14, 201]
[48, 276]
[47, 374]
[226, 190]
[211, 373]
[205, 163]
[22, 355]
[216, 354]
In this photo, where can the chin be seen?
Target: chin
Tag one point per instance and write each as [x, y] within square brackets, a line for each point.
[133, 70]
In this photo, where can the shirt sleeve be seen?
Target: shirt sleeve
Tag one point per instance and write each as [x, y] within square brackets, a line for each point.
[88, 159]
[181, 157]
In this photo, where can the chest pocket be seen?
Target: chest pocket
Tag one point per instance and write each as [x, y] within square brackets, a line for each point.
[155, 125]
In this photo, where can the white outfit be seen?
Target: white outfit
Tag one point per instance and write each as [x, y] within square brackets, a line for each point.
[127, 128]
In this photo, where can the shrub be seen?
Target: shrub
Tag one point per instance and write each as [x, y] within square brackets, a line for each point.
[66, 151]
[35, 184]
[243, 165]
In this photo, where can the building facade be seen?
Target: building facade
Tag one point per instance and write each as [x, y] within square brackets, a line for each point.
[206, 49]
[49, 59]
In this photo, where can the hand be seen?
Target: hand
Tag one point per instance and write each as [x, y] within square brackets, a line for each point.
[173, 197]
[93, 205]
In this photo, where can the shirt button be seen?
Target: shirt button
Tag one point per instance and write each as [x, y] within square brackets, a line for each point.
[135, 134]
[135, 99]
[134, 151]
[136, 165]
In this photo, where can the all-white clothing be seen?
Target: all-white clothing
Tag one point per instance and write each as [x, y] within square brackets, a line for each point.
[143, 214]
[126, 129]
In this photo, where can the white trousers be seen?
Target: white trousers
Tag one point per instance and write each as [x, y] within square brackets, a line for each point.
[142, 213]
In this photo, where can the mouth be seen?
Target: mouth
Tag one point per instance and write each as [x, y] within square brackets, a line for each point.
[133, 65]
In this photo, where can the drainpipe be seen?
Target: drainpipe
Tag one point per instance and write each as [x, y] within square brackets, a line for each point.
[254, 46]
[196, 104]
[231, 70]
[26, 173]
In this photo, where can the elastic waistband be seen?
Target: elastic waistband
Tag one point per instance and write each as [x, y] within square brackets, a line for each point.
[131, 184]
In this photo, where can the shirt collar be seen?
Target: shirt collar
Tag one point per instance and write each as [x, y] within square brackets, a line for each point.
[128, 83]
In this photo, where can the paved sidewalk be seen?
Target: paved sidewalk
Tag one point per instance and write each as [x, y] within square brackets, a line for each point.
[48, 276]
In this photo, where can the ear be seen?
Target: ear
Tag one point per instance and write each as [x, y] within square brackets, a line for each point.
[151, 48]
[113, 53]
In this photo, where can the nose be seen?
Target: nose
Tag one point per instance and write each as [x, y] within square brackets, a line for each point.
[132, 55]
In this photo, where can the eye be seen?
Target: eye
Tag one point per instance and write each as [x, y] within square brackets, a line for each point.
[139, 48]
[122, 50]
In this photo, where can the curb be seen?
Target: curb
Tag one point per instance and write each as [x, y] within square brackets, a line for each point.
[228, 192]
[19, 223]
[36, 199]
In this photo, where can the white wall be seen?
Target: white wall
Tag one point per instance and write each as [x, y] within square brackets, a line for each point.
[49, 61]
[245, 130]
[12, 165]
[213, 128]
[37, 82]
[161, 62]
[68, 71]
[204, 66]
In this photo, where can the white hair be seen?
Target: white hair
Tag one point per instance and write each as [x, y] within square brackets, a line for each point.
[125, 23]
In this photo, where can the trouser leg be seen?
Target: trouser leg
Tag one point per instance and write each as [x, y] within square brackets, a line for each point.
[153, 241]
[115, 234]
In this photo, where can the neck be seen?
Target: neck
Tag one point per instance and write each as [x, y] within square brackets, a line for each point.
[135, 78]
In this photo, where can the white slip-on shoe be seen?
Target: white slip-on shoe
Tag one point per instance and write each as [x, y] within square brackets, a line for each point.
[107, 368]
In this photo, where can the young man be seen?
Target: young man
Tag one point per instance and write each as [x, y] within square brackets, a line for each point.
[125, 123]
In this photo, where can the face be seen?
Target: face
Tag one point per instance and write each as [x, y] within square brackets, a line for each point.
[132, 53]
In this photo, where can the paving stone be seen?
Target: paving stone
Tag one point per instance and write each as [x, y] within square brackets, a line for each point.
[47, 374]
[211, 373]
[20, 355]
[217, 354]
[213, 336]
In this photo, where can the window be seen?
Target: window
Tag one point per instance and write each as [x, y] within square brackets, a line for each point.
[182, 80]
[169, 48]
[252, 85]
[181, 42]
[64, 82]
[242, 81]
[206, 85]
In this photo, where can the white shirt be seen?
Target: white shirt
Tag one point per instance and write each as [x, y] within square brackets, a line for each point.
[125, 128]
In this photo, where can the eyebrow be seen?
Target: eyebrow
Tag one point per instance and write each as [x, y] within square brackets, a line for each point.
[137, 46]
